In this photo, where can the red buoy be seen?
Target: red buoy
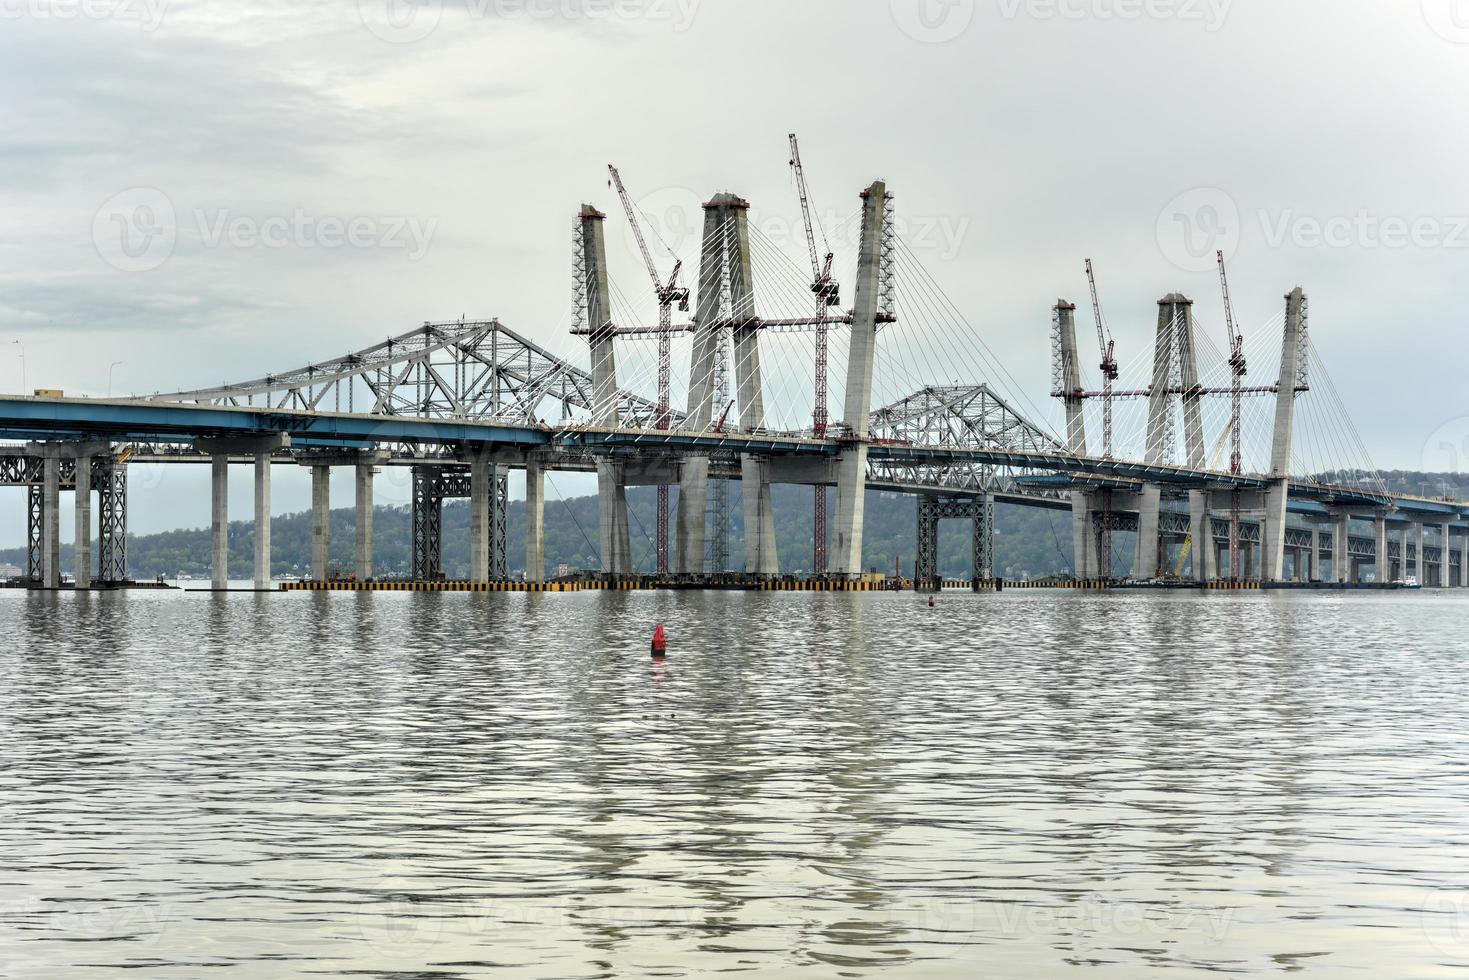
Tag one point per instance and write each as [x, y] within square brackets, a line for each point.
[930, 602]
[660, 642]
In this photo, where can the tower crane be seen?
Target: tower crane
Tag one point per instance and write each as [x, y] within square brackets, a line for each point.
[668, 293]
[828, 294]
[1237, 371]
[1108, 349]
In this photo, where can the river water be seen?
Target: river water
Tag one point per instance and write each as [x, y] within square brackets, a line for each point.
[1034, 784]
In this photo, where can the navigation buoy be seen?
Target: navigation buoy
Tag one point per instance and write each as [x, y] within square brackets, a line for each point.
[660, 643]
[930, 602]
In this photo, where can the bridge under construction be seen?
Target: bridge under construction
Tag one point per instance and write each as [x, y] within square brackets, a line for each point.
[739, 393]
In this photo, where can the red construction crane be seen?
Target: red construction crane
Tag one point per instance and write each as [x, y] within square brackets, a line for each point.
[668, 293]
[828, 293]
[1108, 350]
[1237, 371]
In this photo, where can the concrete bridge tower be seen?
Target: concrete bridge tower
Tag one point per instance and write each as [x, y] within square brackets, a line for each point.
[614, 539]
[1293, 375]
[872, 294]
[1066, 381]
[725, 311]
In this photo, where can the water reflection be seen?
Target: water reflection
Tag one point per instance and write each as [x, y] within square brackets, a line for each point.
[459, 785]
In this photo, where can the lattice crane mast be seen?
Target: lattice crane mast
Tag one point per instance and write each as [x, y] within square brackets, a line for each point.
[1237, 371]
[668, 293]
[828, 293]
[1108, 349]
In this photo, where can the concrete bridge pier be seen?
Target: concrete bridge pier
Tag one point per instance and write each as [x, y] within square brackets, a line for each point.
[82, 540]
[1341, 563]
[321, 520]
[362, 521]
[1419, 554]
[760, 548]
[1445, 579]
[488, 492]
[1083, 538]
[259, 449]
[1203, 558]
[535, 521]
[1383, 564]
[51, 520]
[1145, 558]
[1315, 554]
[615, 535]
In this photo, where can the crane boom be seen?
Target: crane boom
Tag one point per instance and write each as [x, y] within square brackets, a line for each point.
[668, 293]
[1237, 371]
[637, 228]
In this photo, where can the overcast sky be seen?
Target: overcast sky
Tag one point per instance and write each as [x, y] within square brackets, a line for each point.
[179, 177]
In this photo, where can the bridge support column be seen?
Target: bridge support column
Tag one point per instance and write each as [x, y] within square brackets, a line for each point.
[1379, 543]
[1404, 548]
[1145, 559]
[1201, 531]
[1421, 561]
[82, 546]
[926, 568]
[321, 521]
[1315, 569]
[1341, 563]
[428, 524]
[1446, 554]
[262, 520]
[693, 494]
[50, 516]
[1272, 532]
[219, 522]
[535, 522]
[615, 537]
[983, 547]
[1083, 538]
[362, 520]
[112, 522]
[1464, 565]
[760, 548]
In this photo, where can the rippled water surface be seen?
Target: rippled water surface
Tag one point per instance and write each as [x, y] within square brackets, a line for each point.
[1029, 785]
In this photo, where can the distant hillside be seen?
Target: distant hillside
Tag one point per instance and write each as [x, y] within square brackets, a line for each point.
[1026, 541]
